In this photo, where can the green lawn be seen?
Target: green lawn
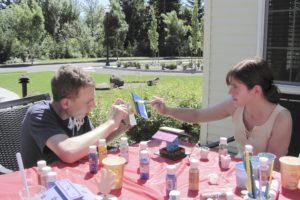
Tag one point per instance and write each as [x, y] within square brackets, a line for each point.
[178, 91]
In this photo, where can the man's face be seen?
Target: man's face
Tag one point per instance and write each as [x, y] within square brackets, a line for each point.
[83, 103]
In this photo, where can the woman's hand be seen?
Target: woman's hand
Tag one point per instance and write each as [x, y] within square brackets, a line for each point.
[159, 104]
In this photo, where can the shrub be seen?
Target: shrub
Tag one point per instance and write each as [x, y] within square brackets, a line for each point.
[177, 92]
[147, 66]
[119, 64]
[163, 66]
[137, 65]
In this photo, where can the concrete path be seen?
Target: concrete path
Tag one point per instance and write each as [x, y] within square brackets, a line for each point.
[7, 95]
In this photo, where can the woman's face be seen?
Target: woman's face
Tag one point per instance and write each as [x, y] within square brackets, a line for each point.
[239, 92]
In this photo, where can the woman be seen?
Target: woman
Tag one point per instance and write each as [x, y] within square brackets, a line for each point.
[253, 104]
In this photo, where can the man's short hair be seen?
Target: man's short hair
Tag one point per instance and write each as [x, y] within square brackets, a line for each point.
[68, 80]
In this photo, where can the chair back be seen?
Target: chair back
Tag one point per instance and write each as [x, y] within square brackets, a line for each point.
[11, 116]
[292, 103]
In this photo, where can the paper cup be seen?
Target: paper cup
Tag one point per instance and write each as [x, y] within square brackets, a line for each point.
[35, 191]
[116, 165]
[290, 172]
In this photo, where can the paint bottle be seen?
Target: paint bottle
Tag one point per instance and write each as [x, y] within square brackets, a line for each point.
[51, 178]
[93, 159]
[40, 165]
[171, 179]
[223, 148]
[144, 165]
[194, 175]
[45, 171]
[263, 170]
[174, 195]
[124, 148]
[102, 150]
[143, 146]
[217, 195]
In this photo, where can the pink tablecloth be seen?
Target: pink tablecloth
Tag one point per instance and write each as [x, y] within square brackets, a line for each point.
[134, 188]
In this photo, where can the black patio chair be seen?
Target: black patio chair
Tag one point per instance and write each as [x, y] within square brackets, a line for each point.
[292, 103]
[11, 117]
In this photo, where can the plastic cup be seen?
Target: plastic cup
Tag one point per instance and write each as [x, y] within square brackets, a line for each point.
[116, 165]
[204, 153]
[270, 156]
[290, 172]
[195, 153]
[35, 191]
[255, 165]
[240, 176]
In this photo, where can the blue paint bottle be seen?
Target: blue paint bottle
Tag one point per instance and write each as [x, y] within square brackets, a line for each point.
[93, 159]
[144, 165]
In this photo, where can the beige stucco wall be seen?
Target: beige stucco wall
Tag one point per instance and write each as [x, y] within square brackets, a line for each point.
[233, 30]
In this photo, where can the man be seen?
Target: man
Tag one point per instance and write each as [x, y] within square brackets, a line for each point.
[61, 129]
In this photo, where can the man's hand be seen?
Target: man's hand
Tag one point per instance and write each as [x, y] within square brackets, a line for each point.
[119, 111]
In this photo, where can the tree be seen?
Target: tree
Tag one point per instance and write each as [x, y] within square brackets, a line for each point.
[57, 13]
[196, 37]
[200, 4]
[137, 18]
[28, 25]
[152, 32]
[176, 31]
[7, 35]
[115, 27]
[163, 7]
[93, 19]
[195, 40]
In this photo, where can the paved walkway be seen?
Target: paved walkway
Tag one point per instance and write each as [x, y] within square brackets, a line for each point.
[7, 95]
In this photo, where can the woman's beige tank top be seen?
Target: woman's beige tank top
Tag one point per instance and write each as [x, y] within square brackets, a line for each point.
[259, 136]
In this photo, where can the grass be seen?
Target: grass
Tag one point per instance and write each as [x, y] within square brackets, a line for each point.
[40, 83]
[178, 91]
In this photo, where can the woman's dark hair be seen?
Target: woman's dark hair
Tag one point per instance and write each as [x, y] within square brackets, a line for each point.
[253, 72]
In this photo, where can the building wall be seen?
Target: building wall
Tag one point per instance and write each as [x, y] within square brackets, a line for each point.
[233, 31]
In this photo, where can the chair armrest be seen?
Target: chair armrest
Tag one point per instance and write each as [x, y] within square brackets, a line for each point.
[4, 170]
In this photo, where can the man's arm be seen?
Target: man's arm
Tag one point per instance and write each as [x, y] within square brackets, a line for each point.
[71, 149]
[219, 111]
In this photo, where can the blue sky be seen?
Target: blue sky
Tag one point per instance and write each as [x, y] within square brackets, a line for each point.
[104, 2]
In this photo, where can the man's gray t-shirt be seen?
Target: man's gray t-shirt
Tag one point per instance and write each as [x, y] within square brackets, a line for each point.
[40, 123]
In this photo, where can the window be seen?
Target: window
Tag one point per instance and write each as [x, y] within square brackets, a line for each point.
[283, 40]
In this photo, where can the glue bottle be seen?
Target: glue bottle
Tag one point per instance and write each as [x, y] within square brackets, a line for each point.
[40, 165]
[223, 148]
[194, 175]
[171, 179]
[264, 170]
[124, 148]
[51, 178]
[93, 159]
[249, 148]
[45, 171]
[102, 150]
[144, 165]
[217, 195]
